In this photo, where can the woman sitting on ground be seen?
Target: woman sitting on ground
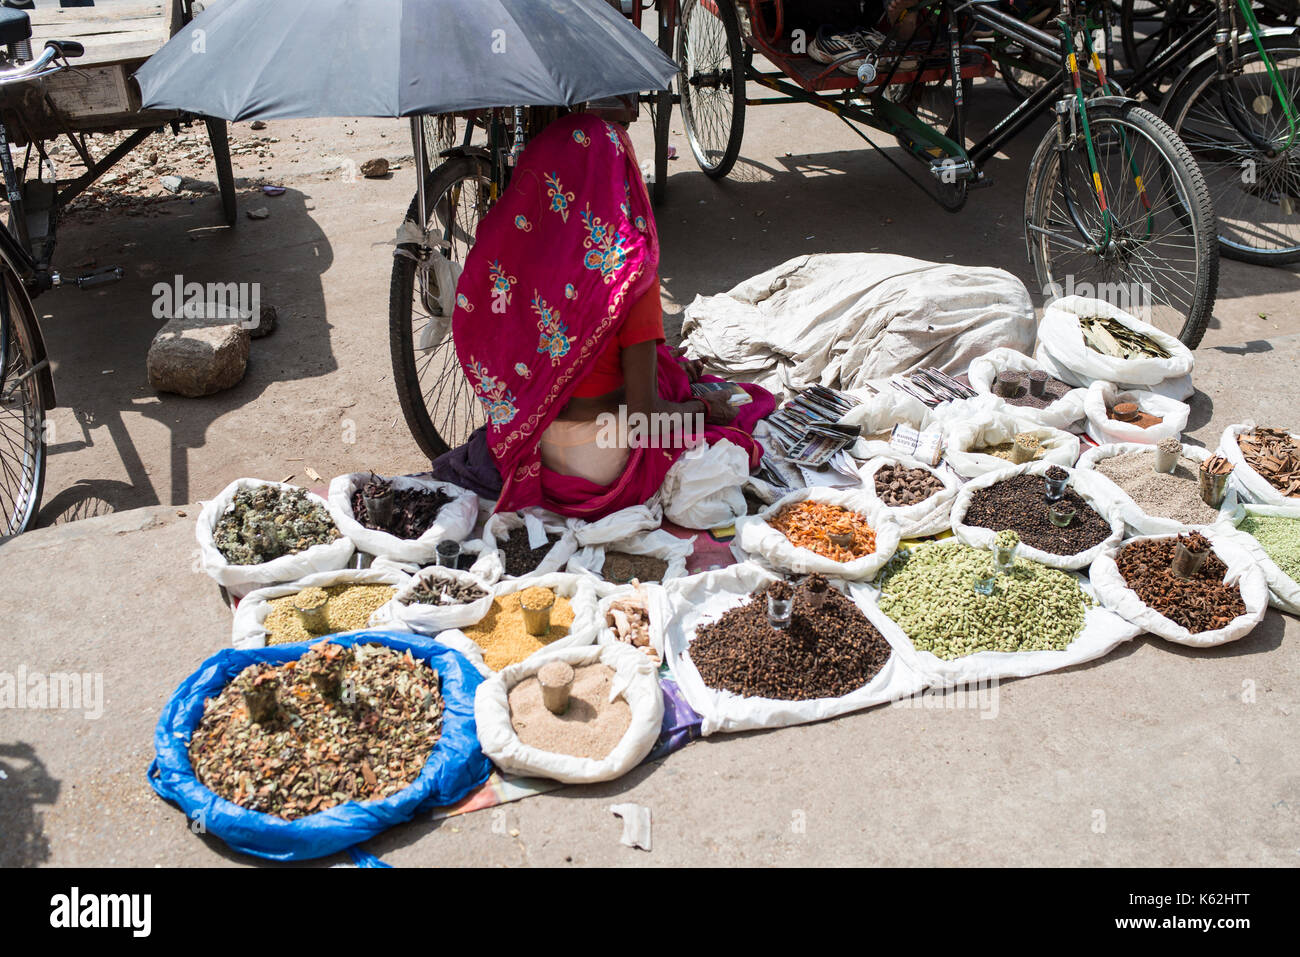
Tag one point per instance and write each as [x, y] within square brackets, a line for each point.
[559, 328]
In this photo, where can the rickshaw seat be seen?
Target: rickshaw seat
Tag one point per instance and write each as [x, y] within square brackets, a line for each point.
[15, 25]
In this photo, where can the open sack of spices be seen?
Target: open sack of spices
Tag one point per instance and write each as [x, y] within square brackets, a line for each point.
[633, 615]
[529, 542]
[915, 495]
[973, 614]
[1022, 384]
[837, 533]
[1266, 463]
[984, 441]
[296, 752]
[578, 715]
[528, 616]
[1198, 588]
[436, 599]
[1082, 341]
[1064, 518]
[256, 533]
[1157, 487]
[1133, 415]
[832, 653]
[403, 517]
[1270, 534]
[322, 604]
[653, 556]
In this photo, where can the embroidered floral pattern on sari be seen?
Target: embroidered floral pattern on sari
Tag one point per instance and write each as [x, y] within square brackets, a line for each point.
[500, 282]
[521, 222]
[523, 370]
[497, 399]
[612, 132]
[462, 302]
[560, 200]
[605, 246]
[554, 340]
[581, 138]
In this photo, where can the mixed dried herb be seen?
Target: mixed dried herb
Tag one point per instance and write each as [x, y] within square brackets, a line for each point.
[268, 522]
[339, 724]
[415, 510]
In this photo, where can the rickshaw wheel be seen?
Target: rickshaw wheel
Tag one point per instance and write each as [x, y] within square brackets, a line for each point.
[219, 137]
[711, 61]
[661, 111]
[437, 400]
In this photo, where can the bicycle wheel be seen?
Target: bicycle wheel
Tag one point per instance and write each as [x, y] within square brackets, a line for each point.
[22, 416]
[711, 80]
[1161, 260]
[437, 400]
[219, 137]
[1256, 195]
[1148, 26]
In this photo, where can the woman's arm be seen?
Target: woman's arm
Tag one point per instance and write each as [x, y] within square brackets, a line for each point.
[641, 388]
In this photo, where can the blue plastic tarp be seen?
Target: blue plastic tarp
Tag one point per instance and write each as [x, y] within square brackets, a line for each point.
[456, 766]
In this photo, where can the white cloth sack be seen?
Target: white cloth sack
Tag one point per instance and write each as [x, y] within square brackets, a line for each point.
[578, 589]
[704, 598]
[636, 681]
[1102, 429]
[1283, 590]
[1093, 487]
[1061, 414]
[962, 433]
[1114, 593]
[1136, 521]
[1103, 631]
[491, 563]
[1063, 353]
[619, 525]
[702, 490]
[454, 521]
[1250, 485]
[248, 628]
[879, 412]
[657, 543]
[434, 619]
[657, 607]
[759, 540]
[239, 580]
[841, 319]
[928, 517]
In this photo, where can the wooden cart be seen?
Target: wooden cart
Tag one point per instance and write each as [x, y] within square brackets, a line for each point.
[94, 95]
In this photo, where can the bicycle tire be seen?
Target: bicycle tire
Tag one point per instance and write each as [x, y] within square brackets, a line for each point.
[19, 512]
[719, 166]
[1198, 87]
[1189, 203]
[465, 412]
[219, 137]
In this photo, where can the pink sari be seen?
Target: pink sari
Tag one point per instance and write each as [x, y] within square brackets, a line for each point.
[546, 286]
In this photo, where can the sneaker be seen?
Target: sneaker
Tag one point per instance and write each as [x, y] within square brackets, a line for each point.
[831, 43]
[883, 53]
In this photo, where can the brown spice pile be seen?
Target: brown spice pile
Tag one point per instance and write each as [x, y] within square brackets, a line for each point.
[1017, 503]
[897, 485]
[591, 727]
[519, 558]
[347, 607]
[822, 654]
[1200, 603]
[624, 566]
[502, 635]
[1275, 455]
[369, 739]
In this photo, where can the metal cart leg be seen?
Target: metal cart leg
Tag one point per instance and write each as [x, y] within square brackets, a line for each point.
[220, 139]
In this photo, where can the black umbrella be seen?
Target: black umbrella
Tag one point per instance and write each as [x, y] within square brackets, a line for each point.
[268, 59]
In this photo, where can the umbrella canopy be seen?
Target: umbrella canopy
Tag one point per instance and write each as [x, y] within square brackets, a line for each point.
[276, 59]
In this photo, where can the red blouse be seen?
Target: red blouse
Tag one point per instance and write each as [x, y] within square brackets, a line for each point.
[644, 323]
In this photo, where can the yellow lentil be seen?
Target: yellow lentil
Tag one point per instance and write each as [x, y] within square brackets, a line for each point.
[535, 598]
[346, 607]
[502, 636]
[1003, 449]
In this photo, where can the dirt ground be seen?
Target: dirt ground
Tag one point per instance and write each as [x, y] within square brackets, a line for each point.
[805, 183]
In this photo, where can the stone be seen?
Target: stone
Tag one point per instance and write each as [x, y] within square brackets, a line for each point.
[375, 168]
[172, 184]
[260, 213]
[257, 125]
[195, 356]
[265, 323]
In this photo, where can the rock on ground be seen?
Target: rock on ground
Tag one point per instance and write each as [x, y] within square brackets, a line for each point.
[195, 357]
